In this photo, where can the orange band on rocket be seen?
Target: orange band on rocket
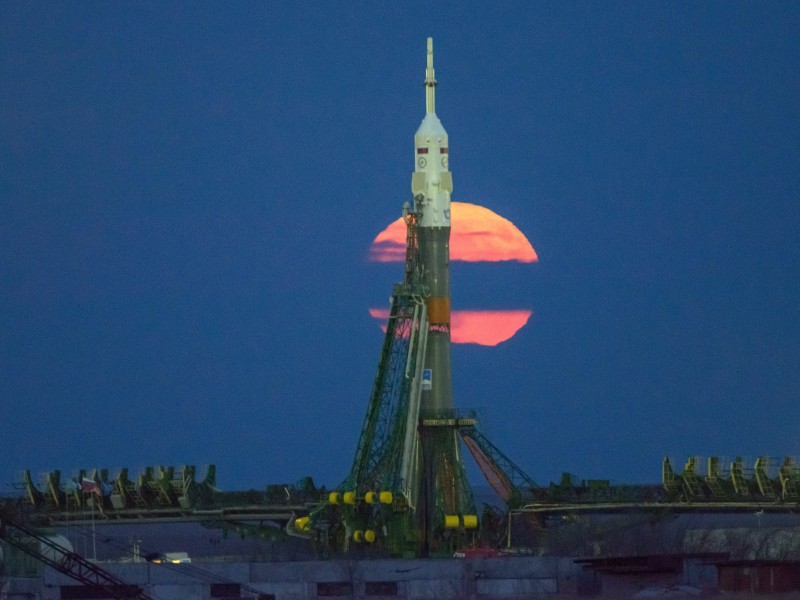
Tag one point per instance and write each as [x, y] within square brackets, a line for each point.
[439, 310]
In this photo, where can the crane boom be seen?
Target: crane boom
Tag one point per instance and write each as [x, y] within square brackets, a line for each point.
[65, 561]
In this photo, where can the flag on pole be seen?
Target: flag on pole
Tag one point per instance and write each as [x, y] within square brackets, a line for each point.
[90, 486]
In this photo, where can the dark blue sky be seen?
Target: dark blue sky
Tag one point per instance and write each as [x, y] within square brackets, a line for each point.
[188, 192]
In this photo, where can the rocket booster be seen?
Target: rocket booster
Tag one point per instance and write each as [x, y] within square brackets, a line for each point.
[431, 185]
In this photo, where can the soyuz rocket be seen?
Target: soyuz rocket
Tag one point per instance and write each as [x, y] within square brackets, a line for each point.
[410, 442]
[444, 492]
[431, 185]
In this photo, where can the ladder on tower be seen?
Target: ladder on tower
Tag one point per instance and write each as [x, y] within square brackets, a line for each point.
[738, 478]
[691, 486]
[713, 479]
[763, 481]
[788, 473]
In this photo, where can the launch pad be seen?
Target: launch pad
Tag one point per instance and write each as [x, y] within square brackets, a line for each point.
[407, 488]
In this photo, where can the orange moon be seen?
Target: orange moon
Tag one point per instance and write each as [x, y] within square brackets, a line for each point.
[482, 327]
[477, 235]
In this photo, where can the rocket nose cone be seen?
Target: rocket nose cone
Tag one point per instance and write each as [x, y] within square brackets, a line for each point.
[431, 125]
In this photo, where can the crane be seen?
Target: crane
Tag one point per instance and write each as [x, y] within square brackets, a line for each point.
[67, 562]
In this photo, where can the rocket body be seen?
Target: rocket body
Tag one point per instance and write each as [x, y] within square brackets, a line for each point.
[410, 440]
[431, 185]
[443, 487]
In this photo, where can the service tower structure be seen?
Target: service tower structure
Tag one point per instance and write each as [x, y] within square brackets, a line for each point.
[443, 486]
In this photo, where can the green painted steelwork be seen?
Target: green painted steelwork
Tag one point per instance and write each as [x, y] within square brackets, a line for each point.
[154, 488]
[736, 483]
[419, 464]
[377, 464]
[510, 482]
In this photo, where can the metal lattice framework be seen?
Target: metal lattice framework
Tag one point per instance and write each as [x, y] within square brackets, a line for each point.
[379, 457]
[510, 482]
[767, 481]
[412, 461]
[65, 561]
[382, 460]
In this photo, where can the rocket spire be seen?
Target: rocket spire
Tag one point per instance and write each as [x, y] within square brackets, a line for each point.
[430, 82]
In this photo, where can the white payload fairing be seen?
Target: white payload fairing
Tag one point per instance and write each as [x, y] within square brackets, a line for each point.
[432, 178]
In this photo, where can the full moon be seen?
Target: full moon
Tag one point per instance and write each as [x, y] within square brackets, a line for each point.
[482, 327]
[477, 235]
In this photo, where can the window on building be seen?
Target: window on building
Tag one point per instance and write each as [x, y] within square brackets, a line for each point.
[335, 588]
[225, 590]
[87, 592]
[380, 588]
